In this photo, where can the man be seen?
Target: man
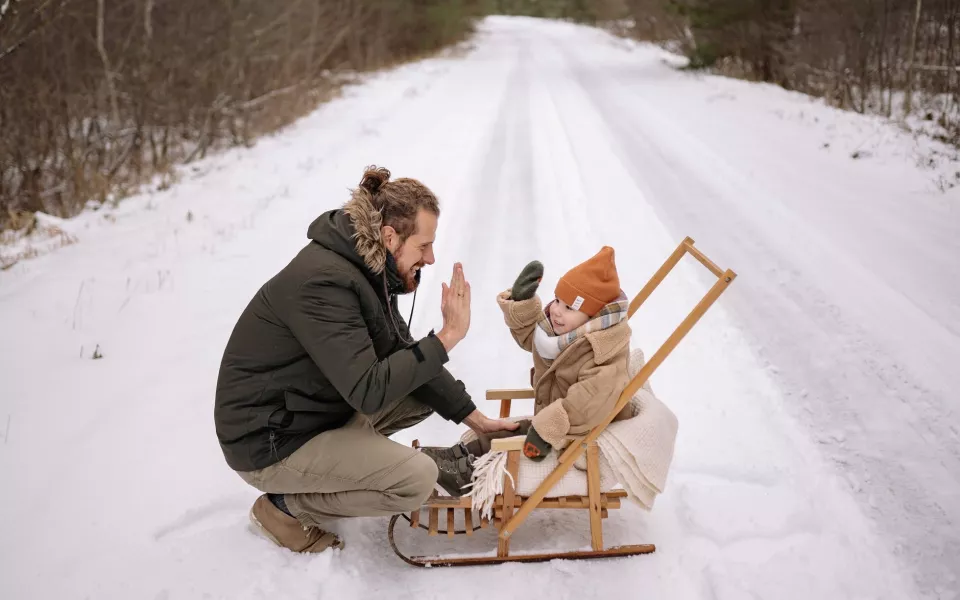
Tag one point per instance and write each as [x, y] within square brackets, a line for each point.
[320, 368]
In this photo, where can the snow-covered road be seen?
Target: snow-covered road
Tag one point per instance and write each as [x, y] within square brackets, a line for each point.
[817, 454]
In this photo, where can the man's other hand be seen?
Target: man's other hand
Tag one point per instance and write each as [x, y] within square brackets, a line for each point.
[480, 423]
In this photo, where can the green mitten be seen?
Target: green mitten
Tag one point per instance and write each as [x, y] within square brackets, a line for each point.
[527, 282]
[535, 447]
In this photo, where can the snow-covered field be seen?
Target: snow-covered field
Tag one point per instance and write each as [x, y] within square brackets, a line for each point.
[818, 453]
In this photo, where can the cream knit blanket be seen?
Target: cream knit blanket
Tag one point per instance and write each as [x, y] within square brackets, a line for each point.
[635, 452]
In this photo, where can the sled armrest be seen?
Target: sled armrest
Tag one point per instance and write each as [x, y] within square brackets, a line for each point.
[525, 394]
[508, 444]
[506, 397]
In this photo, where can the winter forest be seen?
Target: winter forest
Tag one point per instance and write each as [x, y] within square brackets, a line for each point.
[114, 98]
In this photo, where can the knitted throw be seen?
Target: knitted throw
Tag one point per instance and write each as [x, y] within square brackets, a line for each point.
[550, 345]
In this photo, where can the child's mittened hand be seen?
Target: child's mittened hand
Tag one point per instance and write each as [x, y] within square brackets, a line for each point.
[527, 282]
[535, 447]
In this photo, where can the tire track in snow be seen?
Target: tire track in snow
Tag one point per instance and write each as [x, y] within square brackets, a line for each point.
[910, 499]
[586, 185]
[498, 237]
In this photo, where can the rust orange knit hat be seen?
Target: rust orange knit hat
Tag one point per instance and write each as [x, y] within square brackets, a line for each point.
[592, 284]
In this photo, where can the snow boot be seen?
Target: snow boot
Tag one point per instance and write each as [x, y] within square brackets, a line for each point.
[455, 464]
[454, 467]
[287, 532]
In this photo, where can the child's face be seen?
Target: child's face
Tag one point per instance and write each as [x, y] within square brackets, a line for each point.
[563, 318]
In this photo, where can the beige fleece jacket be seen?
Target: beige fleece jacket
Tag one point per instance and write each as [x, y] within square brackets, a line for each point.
[578, 389]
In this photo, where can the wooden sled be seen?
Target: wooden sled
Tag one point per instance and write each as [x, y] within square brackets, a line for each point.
[512, 510]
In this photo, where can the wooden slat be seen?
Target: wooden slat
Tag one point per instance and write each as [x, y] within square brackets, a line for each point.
[505, 408]
[571, 502]
[509, 496]
[449, 502]
[709, 264]
[450, 526]
[524, 394]
[415, 518]
[468, 520]
[434, 520]
[593, 488]
[484, 522]
[508, 444]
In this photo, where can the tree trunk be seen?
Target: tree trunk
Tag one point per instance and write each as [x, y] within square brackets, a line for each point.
[908, 100]
[101, 48]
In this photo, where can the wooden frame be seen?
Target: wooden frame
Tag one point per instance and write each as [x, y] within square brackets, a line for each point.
[511, 510]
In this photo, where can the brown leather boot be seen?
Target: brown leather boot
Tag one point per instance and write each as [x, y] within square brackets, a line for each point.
[287, 532]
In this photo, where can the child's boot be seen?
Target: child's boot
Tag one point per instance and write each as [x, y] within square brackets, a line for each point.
[454, 467]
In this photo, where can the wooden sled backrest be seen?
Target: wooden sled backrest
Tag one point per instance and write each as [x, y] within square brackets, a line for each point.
[724, 278]
[579, 446]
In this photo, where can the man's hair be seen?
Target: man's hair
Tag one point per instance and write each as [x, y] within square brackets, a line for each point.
[398, 201]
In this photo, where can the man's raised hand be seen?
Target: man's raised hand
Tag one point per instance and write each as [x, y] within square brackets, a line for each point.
[455, 308]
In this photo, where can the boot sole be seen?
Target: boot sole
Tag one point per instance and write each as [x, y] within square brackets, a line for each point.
[440, 491]
[446, 494]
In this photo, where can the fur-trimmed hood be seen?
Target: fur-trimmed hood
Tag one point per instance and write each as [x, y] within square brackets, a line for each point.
[354, 233]
[366, 221]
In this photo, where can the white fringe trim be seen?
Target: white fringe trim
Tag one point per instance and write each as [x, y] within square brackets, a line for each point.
[488, 472]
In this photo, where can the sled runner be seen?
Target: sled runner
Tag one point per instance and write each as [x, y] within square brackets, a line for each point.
[511, 510]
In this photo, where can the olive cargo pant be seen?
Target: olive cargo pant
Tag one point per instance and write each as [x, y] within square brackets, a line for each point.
[353, 471]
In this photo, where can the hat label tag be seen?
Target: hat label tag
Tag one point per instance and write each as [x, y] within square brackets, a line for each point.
[577, 303]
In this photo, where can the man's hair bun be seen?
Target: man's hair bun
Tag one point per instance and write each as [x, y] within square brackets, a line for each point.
[373, 178]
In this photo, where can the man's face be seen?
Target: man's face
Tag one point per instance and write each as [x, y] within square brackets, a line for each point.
[416, 251]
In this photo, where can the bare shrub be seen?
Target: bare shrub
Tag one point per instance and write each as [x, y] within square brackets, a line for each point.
[97, 97]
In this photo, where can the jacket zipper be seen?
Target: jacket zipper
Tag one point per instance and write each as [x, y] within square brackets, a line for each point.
[273, 445]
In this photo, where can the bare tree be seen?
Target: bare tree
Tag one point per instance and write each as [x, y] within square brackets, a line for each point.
[860, 54]
[96, 97]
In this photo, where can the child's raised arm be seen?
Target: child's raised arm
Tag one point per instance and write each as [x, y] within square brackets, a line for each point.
[521, 317]
[521, 307]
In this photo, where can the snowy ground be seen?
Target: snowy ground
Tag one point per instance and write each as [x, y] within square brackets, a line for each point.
[817, 455]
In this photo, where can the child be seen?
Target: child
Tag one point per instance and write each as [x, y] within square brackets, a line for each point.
[580, 344]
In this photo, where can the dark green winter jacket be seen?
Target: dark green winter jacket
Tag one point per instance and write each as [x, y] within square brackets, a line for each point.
[321, 340]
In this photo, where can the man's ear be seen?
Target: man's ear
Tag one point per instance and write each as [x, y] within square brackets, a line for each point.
[390, 237]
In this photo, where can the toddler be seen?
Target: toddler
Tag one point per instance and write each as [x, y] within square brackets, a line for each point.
[580, 345]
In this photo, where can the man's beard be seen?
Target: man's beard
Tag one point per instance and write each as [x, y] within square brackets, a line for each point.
[411, 281]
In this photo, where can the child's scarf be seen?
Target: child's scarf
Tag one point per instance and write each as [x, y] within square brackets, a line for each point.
[550, 345]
